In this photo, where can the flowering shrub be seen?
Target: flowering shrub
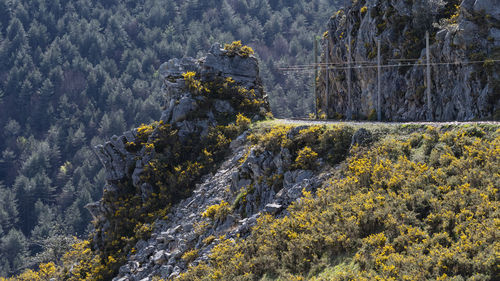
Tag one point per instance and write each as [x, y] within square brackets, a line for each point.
[217, 212]
[243, 122]
[236, 48]
[45, 271]
[194, 84]
[307, 159]
[387, 216]
[190, 256]
[332, 143]
[272, 139]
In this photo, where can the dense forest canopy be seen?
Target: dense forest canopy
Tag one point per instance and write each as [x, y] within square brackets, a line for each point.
[73, 73]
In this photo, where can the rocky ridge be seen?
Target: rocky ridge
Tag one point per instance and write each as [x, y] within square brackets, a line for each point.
[252, 180]
[186, 229]
[462, 32]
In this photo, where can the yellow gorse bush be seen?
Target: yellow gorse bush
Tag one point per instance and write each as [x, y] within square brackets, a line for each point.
[272, 139]
[194, 84]
[236, 48]
[306, 159]
[190, 255]
[388, 216]
[217, 211]
[45, 272]
[243, 122]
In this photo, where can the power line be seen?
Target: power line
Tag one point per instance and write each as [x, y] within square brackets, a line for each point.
[308, 66]
[332, 66]
[362, 65]
[403, 59]
[323, 64]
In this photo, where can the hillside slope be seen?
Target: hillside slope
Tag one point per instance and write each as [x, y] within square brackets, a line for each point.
[375, 199]
[203, 194]
[464, 44]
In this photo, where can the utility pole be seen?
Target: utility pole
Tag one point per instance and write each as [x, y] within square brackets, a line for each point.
[349, 97]
[315, 76]
[430, 113]
[327, 78]
[379, 86]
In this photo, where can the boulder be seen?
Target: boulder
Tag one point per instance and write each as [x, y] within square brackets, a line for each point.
[182, 110]
[223, 106]
[273, 208]
[160, 257]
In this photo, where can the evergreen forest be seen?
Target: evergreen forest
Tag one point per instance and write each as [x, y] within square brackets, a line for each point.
[75, 73]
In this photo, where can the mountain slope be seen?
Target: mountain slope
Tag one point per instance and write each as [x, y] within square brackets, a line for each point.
[202, 195]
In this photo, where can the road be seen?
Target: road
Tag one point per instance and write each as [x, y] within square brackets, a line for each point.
[297, 121]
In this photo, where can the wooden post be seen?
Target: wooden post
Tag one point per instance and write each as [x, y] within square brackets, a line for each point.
[327, 74]
[349, 97]
[315, 76]
[379, 85]
[430, 113]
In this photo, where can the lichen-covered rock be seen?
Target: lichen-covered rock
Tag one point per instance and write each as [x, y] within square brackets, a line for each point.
[154, 166]
[465, 82]
[177, 186]
[187, 229]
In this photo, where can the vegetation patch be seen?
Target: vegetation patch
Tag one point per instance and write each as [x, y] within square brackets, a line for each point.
[236, 48]
[217, 212]
[387, 215]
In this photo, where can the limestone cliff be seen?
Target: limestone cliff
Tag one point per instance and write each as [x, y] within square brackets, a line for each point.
[464, 44]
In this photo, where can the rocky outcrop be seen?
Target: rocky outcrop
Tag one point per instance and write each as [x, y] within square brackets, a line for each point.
[216, 65]
[465, 42]
[203, 97]
[186, 229]
[254, 177]
[187, 112]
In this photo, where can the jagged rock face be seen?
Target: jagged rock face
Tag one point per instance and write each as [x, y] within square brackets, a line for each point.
[220, 85]
[182, 106]
[463, 90]
[186, 229]
[216, 65]
[261, 176]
